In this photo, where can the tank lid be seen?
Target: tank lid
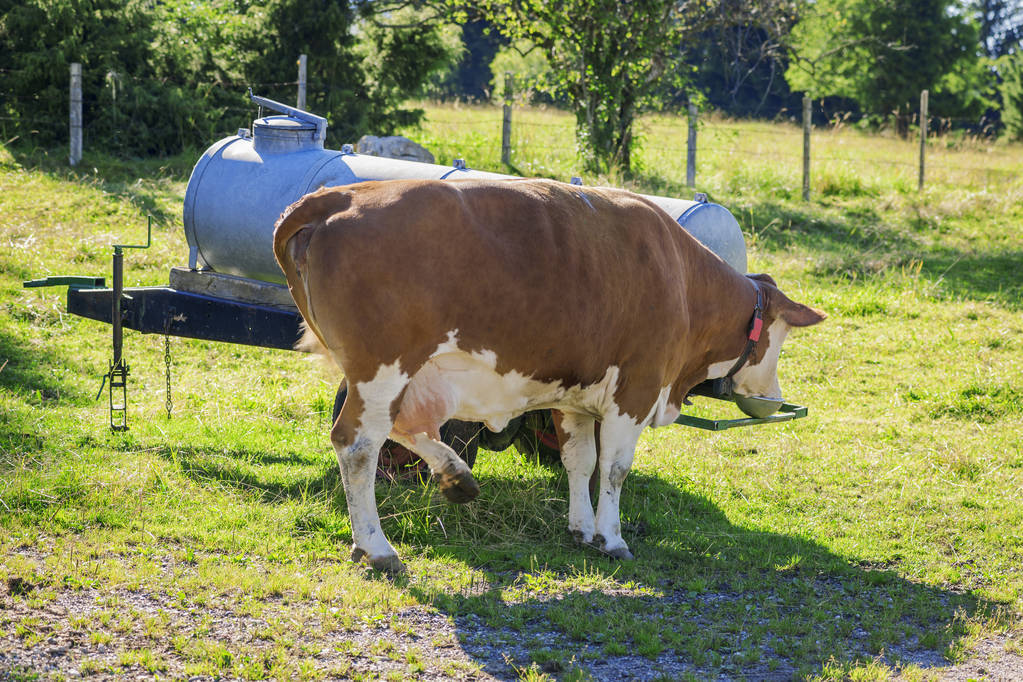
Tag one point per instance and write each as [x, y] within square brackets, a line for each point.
[284, 134]
[283, 123]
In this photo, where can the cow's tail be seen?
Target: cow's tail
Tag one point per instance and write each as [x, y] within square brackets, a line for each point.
[292, 233]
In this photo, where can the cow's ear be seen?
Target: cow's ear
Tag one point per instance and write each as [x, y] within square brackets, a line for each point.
[799, 315]
[761, 277]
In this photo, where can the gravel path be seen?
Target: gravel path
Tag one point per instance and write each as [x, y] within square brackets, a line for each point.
[54, 641]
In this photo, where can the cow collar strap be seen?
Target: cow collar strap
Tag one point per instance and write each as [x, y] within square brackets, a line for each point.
[756, 325]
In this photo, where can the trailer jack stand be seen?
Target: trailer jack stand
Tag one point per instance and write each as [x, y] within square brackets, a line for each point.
[118, 374]
[118, 379]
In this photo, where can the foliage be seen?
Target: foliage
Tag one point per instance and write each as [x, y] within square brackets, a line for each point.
[112, 40]
[606, 58]
[470, 77]
[399, 55]
[1001, 26]
[161, 77]
[527, 65]
[739, 61]
[1011, 69]
[882, 54]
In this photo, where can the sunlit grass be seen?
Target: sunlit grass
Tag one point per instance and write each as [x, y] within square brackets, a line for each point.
[884, 525]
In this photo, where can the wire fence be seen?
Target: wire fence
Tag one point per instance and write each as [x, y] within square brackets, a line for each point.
[707, 145]
[838, 152]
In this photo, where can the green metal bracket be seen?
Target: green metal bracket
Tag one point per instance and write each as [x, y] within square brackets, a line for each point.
[787, 412]
[73, 281]
[149, 240]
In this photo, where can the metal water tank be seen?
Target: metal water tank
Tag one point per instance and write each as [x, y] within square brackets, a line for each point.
[241, 184]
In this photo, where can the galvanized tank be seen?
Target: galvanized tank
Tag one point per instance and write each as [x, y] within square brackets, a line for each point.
[241, 184]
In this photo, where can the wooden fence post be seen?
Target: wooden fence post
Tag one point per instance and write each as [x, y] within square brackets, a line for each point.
[506, 120]
[76, 114]
[691, 147]
[923, 135]
[807, 124]
[301, 81]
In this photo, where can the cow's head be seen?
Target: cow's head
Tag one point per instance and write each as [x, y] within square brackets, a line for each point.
[758, 377]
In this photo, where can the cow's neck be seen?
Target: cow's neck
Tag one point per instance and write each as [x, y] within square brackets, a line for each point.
[721, 306]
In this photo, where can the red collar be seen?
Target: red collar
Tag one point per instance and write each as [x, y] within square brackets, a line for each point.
[756, 325]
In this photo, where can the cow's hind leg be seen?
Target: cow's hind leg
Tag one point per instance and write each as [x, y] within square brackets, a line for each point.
[618, 438]
[429, 401]
[579, 455]
[361, 428]
[450, 472]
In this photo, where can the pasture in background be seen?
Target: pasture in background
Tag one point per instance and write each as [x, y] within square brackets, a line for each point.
[882, 534]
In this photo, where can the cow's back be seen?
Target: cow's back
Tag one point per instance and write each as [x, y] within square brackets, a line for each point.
[558, 282]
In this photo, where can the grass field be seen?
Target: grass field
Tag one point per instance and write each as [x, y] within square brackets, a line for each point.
[882, 536]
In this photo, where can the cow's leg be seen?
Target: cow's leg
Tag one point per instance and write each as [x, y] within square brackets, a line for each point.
[428, 403]
[579, 455]
[359, 432]
[618, 438]
[450, 472]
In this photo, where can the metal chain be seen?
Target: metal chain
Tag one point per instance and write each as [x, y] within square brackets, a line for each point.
[167, 363]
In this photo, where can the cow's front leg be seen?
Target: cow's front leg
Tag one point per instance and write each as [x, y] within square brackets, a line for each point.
[579, 455]
[618, 438]
[357, 448]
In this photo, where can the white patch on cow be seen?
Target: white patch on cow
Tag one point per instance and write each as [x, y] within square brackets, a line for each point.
[761, 379]
[437, 454]
[579, 455]
[358, 460]
[618, 437]
[473, 390]
[663, 412]
[449, 346]
[719, 369]
[377, 395]
[358, 463]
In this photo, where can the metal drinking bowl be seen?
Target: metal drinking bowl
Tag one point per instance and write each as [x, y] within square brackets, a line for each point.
[757, 407]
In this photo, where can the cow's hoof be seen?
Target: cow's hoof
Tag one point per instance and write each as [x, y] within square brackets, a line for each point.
[622, 552]
[389, 563]
[582, 538]
[457, 484]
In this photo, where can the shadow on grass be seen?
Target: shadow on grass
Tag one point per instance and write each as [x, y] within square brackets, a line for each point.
[35, 372]
[716, 599]
[115, 176]
[722, 600]
[987, 275]
[239, 468]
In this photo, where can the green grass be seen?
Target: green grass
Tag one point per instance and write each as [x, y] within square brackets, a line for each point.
[881, 534]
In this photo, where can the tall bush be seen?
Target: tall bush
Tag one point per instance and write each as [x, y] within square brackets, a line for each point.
[1011, 69]
[162, 77]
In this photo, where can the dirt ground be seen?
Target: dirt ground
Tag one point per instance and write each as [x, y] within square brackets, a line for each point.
[54, 642]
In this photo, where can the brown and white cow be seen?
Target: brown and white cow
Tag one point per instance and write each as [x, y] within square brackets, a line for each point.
[480, 300]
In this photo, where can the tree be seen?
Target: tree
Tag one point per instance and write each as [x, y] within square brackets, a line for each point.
[606, 58]
[365, 59]
[880, 54]
[1001, 26]
[1011, 67]
[38, 43]
[159, 77]
[739, 61]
